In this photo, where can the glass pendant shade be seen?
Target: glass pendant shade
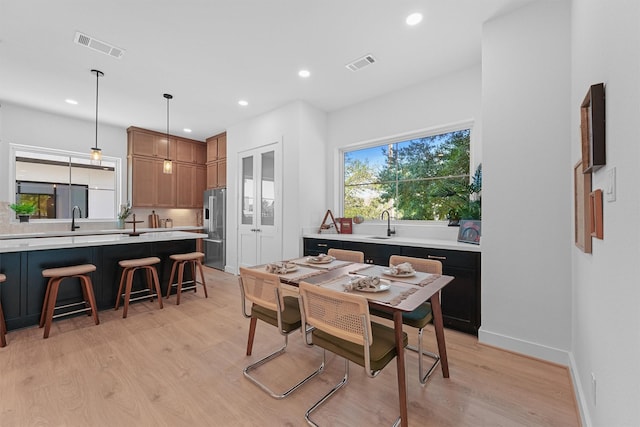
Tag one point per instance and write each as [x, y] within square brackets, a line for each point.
[96, 156]
[96, 153]
[167, 167]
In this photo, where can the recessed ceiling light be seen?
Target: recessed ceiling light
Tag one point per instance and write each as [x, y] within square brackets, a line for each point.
[71, 101]
[243, 103]
[187, 130]
[304, 73]
[414, 19]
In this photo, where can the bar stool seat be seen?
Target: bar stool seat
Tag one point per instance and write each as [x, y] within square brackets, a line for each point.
[56, 276]
[179, 261]
[129, 267]
[3, 325]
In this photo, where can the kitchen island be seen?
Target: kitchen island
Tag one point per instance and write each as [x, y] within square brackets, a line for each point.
[22, 261]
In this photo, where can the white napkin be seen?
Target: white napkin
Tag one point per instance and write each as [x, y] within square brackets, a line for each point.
[280, 267]
[404, 268]
[359, 283]
[321, 257]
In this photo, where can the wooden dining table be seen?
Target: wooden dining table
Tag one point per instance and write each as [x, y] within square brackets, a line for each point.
[405, 295]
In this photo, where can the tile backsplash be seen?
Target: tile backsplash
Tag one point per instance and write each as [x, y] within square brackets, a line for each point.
[180, 217]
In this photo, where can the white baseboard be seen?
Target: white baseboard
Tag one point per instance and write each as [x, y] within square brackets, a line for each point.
[581, 393]
[543, 352]
[516, 345]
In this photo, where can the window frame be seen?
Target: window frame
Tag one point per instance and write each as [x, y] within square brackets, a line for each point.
[422, 133]
[14, 148]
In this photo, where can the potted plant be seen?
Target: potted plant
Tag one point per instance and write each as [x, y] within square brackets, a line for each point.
[24, 210]
[125, 211]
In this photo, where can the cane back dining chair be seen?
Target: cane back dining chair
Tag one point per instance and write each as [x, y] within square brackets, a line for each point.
[340, 322]
[421, 316]
[346, 255]
[268, 304]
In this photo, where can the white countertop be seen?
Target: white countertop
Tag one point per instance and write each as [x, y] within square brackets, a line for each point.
[76, 241]
[89, 232]
[399, 240]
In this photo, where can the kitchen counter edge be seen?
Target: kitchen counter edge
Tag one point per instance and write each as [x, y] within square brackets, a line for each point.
[399, 240]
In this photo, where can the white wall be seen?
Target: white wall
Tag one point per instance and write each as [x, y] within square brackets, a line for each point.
[606, 291]
[301, 130]
[19, 125]
[527, 172]
[448, 100]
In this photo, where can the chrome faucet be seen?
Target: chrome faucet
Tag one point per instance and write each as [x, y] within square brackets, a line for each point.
[389, 230]
[73, 217]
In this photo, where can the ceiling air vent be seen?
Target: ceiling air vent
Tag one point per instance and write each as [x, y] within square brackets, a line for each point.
[100, 46]
[360, 63]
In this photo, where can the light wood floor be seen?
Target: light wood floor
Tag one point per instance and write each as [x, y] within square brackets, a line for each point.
[182, 366]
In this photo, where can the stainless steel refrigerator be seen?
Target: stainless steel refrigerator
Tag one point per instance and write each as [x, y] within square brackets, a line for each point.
[215, 225]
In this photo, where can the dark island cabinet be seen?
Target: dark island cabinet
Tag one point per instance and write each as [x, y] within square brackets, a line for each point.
[22, 294]
[460, 299]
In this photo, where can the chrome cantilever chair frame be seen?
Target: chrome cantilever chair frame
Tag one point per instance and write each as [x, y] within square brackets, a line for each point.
[425, 266]
[280, 325]
[367, 340]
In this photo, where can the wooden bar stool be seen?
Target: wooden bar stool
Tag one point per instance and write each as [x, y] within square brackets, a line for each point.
[179, 260]
[3, 325]
[129, 267]
[56, 276]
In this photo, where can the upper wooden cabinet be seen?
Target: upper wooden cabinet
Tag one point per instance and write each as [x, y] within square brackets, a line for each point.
[149, 186]
[217, 161]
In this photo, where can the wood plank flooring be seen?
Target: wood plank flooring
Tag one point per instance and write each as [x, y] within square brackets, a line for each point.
[182, 366]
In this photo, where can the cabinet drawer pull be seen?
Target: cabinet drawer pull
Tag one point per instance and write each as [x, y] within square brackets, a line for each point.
[442, 258]
[322, 245]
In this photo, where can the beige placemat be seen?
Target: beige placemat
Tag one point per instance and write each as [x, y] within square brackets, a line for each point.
[328, 266]
[393, 296]
[420, 278]
[301, 273]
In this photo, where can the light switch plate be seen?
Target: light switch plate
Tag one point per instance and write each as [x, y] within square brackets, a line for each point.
[610, 190]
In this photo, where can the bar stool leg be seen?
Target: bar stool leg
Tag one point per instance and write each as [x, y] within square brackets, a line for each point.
[156, 282]
[3, 328]
[53, 294]
[90, 297]
[122, 280]
[171, 276]
[180, 279]
[127, 292]
[45, 304]
[204, 285]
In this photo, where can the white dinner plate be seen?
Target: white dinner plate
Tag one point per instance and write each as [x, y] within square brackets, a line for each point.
[325, 260]
[388, 272]
[380, 287]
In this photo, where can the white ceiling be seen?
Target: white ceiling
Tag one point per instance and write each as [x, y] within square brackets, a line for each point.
[211, 53]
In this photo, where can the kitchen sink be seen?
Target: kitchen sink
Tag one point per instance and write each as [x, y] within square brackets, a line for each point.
[380, 237]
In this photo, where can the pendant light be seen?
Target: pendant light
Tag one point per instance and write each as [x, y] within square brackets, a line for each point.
[167, 167]
[96, 153]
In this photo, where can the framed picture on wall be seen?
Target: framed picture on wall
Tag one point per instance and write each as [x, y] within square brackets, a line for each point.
[469, 231]
[592, 129]
[581, 208]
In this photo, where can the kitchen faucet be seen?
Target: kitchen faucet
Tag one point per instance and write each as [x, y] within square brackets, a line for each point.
[389, 230]
[73, 217]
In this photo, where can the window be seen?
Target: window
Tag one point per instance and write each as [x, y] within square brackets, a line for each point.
[422, 178]
[56, 181]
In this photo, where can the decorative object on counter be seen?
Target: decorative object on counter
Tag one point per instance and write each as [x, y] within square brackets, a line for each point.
[24, 210]
[469, 231]
[346, 225]
[96, 153]
[168, 223]
[358, 219]
[125, 211]
[134, 222]
[592, 127]
[154, 220]
[167, 166]
[324, 226]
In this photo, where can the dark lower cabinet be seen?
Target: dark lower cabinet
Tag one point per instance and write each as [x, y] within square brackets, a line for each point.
[460, 298]
[22, 294]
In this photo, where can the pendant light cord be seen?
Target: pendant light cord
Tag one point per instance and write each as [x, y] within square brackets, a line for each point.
[168, 97]
[98, 74]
